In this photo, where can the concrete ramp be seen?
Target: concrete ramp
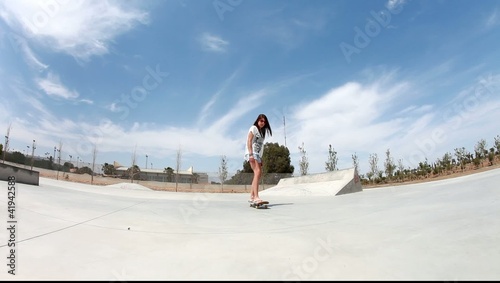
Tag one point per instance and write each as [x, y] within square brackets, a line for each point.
[324, 184]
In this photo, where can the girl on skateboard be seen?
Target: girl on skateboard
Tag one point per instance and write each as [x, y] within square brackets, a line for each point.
[254, 150]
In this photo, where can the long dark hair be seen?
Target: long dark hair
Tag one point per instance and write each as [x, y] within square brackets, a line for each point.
[266, 128]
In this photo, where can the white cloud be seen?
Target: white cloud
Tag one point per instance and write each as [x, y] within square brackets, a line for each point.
[363, 119]
[213, 43]
[79, 28]
[53, 87]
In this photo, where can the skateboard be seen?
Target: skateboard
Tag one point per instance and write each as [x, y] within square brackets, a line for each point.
[260, 205]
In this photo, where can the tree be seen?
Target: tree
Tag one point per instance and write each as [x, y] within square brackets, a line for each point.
[223, 171]
[480, 149]
[108, 169]
[401, 169]
[446, 162]
[276, 159]
[170, 173]
[373, 161]
[59, 158]
[389, 165]
[355, 162]
[3, 151]
[132, 172]
[134, 168]
[497, 144]
[276, 164]
[462, 157]
[303, 163]
[177, 167]
[94, 155]
[331, 163]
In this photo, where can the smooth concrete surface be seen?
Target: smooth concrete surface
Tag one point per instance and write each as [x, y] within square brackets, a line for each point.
[333, 183]
[443, 230]
[22, 175]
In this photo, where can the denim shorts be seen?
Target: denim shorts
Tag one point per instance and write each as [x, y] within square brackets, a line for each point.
[256, 156]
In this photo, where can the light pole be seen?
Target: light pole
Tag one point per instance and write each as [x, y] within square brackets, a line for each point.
[32, 154]
[146, 161]
[77, 159]
[71, 164]
[27, 150]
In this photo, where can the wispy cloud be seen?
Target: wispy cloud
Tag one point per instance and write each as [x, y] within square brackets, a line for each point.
[213, 43]
[492, 20]
[208, 106]
[53, 87]
[79, 28]
[29, 56]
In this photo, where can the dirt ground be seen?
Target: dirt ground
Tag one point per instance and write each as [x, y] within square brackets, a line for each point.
[485, 167]
[209, 188]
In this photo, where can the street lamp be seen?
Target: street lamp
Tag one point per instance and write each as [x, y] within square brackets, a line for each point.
[146, 161]
[54, 157]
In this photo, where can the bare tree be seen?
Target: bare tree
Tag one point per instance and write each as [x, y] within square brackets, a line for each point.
[94, 154]
[59, 159]
[401, 169]
[373, 160]
[223, 171]
[6, 147]
[331, 164]
[178, 167]
[303, 163]
[389, 165]
[355, 162]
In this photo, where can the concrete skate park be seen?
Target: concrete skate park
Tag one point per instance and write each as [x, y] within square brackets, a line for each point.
[316, 228]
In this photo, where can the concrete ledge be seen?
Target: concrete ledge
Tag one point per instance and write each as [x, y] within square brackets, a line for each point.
[323, 184]
[22, 175]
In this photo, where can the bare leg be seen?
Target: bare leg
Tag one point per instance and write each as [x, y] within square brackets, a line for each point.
[256, 167]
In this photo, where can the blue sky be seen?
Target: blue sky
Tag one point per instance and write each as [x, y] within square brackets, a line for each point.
[155, 78]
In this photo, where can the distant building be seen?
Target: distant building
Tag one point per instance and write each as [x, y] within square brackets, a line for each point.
[161, 175]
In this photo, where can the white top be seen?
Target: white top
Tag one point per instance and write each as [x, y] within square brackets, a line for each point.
[257, 142]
